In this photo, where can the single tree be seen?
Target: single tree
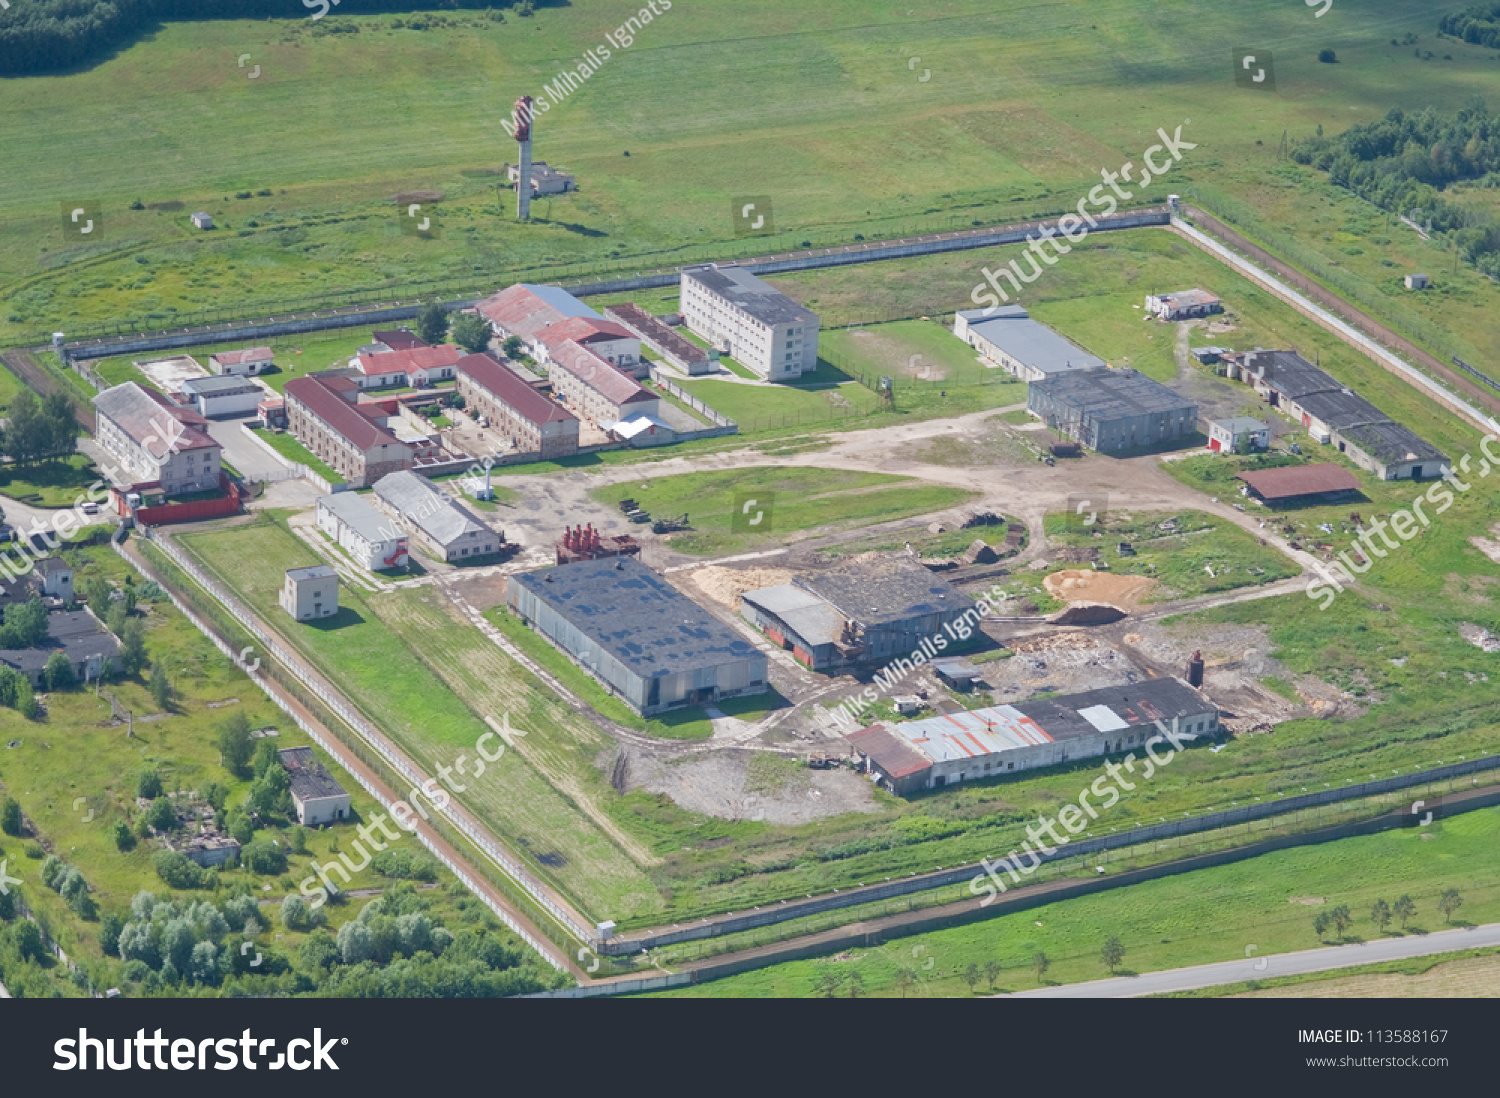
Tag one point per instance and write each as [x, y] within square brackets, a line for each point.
[1449, 902]
[1320, 924]
[827, 983]
[1112, 953]
[161, 688]
[905, 979]
[991, 973]
[10, 816]
[971, 977]
[432, 323]
[470, 331]
[856, 985]
[162, 815]
[513, 347]
[1041, 962]
[1328, 57]
[235, 745]
[266, 756]
[1341, 919]
[58, 673]
[133, 646]
[1404, 909]
[122, 835]
[1380, 915]
[148, 783]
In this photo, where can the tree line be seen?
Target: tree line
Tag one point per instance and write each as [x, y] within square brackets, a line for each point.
[46, 35]
[1406, 162]
[1479, 25]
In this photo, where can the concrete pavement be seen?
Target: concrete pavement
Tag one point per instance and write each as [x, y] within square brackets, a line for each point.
[1327, 959]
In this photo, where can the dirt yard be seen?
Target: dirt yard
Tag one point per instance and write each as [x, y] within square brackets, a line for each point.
[1084, 585]
[745, 785]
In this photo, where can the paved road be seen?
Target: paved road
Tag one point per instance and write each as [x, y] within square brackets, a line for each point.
[251, 460]
[1280, 964]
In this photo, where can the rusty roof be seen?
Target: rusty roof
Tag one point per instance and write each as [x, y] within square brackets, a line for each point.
[1300, 480]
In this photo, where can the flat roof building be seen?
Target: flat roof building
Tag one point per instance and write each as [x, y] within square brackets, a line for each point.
[1112, 410]
[1002, 739]
[317, 797]
[637, 634]
[750, 321]
[310, 593]
[1226, 435]
[1027, 348]
[222, 396]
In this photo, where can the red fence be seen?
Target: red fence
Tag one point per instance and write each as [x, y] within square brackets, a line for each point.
[193, 509]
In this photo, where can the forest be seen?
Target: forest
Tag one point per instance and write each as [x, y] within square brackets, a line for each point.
[1407, 163]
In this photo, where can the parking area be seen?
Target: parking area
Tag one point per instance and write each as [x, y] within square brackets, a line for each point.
[252, 461]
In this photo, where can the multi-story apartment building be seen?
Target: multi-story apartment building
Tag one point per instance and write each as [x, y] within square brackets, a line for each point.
[322, 415]
[535, 424]
[155, 441]
[750, 321]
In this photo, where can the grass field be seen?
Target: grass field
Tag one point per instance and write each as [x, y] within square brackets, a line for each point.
[49, 483]
[1194, 918]
[288, 447]
[793, 500]
[1007, 125]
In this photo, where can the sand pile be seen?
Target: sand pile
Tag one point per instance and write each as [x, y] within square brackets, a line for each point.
[1079, 585]
[726, 585]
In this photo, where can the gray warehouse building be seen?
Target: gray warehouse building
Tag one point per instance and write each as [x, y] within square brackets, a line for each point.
[637, 634]
[1109, 410]
[868, 611]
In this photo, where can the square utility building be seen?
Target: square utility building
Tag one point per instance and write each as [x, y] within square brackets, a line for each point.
[1109, 410]
[310, 593]
[637, 634]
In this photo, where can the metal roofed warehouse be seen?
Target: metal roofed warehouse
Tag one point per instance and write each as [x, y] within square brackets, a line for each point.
[637, 634]
[1001, 739]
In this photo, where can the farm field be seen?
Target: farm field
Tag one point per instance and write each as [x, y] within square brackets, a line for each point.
[804, 499]
[1194, 918]
[975, 143]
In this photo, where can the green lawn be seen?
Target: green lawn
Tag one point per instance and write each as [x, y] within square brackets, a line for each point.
[56, 483]
[805, 499]
[1195, 918]
[288, 447]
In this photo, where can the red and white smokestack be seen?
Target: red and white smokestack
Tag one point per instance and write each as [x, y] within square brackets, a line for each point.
[522, 116]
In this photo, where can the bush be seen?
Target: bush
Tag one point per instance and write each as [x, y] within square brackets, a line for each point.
[10, 816]
[1328, 57]
[162, 815]
[148, 784]
[264, 857]
[174, 868]
[120, 832]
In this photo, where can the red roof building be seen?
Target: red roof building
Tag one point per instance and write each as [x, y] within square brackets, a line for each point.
[322, 416]
[1300, 481]
[535, 423]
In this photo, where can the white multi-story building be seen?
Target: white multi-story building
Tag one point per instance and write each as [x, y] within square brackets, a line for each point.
[155, 441]
[750, 321]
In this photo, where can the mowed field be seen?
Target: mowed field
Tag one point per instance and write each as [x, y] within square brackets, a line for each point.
[1194, 918]
[824, 111]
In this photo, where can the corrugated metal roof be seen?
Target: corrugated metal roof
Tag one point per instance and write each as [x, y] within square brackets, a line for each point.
[1031, 342]
[968, 735]
[358, 515]
[803, 612]
[1300, 480]
[893, 756]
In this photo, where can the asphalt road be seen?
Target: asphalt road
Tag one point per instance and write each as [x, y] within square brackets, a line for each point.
[1280, 964]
